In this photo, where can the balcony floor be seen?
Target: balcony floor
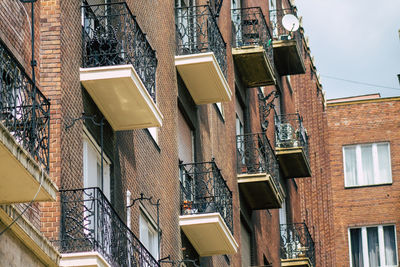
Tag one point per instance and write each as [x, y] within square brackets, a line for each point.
[203, 78]
[121, 96]
[260, 191]
[297, 262]
[20, 174]
[83, 259]
[293, 162]
[254, 66]
[208, 234]
[287, 57]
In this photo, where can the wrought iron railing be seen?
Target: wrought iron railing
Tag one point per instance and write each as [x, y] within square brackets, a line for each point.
[296, 242]
[204, 190]
[112, 36]
[280, 33]
[289, 132]
[24, 110]
[198, 32]
[255, 155]
[90, 223]
[250, 28]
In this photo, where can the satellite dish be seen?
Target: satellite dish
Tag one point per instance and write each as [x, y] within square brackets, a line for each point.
[290, 22]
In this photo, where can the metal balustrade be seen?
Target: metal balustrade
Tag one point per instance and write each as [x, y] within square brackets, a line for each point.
[112, 36]
[250, 28]
[198, 32]
[204, 190]
[296, 242]
[90, 223]
[280, 33]
[290, 133]
[255, 155]
[24, 110]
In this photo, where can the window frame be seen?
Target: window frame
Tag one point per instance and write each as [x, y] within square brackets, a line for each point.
[359, 168]
[365, 243]
[151, 227]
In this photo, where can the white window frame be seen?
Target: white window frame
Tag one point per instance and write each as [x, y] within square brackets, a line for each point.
[88, 140]
[364, 238]
[151, 226]
[360, 178]
[220, 109]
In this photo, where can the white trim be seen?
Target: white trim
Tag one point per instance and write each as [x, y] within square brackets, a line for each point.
[360, 180]
[364, 241]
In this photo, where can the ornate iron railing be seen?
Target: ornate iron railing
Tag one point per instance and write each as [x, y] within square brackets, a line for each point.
[255, 155]
[90, 223]
[24, 110]
[198, 32]
[280, 33]
[296, 242]
[250, 28]
[112, 36]
[204, 190]
[289, 132]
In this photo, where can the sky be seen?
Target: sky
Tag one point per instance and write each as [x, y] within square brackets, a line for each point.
[356, 40]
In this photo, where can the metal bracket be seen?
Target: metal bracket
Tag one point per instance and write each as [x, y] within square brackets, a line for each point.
[266, 106]
[157, 204]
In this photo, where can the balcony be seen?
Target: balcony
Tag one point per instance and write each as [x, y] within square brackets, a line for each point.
[206, 209]
[201, 55]
[297, 246]
[252, 47]
[291, 146]
[24, 136]
[288, 45]
[92, 233]
[258, 172]
[119, 67]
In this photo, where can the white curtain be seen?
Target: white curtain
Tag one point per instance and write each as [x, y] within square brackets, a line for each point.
[390, 246]
[384, 163]
[367, 162]
[356, 248]
[350, 166]
[373, 246]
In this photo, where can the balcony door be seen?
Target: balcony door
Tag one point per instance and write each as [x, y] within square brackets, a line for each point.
[92, 166]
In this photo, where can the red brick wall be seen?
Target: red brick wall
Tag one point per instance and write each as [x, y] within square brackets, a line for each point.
[357, 123]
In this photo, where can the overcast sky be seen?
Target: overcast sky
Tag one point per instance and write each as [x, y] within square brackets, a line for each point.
[355, 40]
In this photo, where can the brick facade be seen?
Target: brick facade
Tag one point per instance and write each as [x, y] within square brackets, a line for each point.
[353, 122]
[141, 164]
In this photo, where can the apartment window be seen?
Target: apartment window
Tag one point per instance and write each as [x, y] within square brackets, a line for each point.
[92, 165]
[367, 164]
[373, 246]
[148, 235]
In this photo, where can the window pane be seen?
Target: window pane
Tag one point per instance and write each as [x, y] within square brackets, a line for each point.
[356, 248]
[373, 246]
[367, 164]
[390, 246]
[350, 166]
[384, 163]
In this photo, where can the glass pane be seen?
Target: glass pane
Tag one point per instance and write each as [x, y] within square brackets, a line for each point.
[367, 164]
[350, 166]
[356, 248]
[373, 246]
[384, 163]
[390, 245]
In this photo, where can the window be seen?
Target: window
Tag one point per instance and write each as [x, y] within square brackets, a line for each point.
[148, 235]
[367, 164]
[373, 246]
[92, 166]
[220, 109]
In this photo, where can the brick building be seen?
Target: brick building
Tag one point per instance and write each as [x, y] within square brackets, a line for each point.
[364, 147]
[163, 133]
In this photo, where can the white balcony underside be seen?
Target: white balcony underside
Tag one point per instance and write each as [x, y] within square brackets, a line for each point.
[83, 259]
[121, 96]
[21, 177]
[208, 234]
[203, 78]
